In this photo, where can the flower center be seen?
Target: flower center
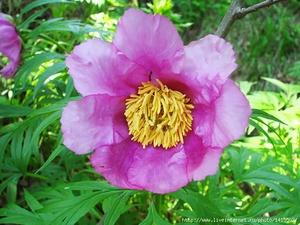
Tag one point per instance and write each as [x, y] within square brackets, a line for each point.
[158, 116]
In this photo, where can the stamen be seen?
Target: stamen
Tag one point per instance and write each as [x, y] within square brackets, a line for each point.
[158, 116]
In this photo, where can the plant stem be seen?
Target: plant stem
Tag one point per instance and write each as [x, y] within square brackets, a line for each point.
[237, 11]
[158, 203]
[36, 176]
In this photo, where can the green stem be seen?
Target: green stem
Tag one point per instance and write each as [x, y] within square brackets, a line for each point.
[36, 176]
[53, 42]
[255, 198]
[158, 201]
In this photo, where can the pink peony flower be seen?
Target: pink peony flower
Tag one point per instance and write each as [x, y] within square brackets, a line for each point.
[10, 46]
[156, 113]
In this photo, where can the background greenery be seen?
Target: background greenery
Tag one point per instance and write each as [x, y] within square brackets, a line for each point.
[44, 183]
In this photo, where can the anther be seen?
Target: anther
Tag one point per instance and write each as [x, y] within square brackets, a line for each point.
[158, 116]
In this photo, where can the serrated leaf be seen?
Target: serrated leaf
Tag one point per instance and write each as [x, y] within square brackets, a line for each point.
[153, 218]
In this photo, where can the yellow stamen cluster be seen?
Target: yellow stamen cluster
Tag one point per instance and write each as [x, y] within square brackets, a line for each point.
[158, 116]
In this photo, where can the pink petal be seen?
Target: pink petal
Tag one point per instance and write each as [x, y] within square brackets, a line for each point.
[128, 165]
[225, 119]
[98, 68]
[159, 170]
[149, 40]
[205, 67]
[10, 46]
[202, 161]
[113, 162]
[93, 121]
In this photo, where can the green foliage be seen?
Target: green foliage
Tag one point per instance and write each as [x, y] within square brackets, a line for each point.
[42, 182]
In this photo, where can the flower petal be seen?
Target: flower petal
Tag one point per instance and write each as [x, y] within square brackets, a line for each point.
[159, 170]
[93, 121]
[205, 67]
[225, 119]
[98, 68]
[10, 46]
[149, 40]
[128, 165]
[202, 161]
[113, 162]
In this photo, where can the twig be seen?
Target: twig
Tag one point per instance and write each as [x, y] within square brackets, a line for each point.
[237, 11]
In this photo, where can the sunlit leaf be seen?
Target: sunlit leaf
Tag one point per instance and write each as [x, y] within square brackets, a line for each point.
[260, 113]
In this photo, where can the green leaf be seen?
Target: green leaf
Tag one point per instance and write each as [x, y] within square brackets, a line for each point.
[55, 68]
[51, 157]
[260, 113]
[14, 214]
[4, 140]
[117, 208]
[153, 218]
[57, 106]
[37, 3]
[45, 123]
[86, 186]
[290, 89]
[26, 23]
[278, 83]
[16, 151]
[72, 209]
[245, 86]
[69, 87]
[238, 160]
[31, 201]
[11, 179]
[14, 111]
[36, 61]
[56, 24]
[265, 205]
[259, 128]
[200, 204]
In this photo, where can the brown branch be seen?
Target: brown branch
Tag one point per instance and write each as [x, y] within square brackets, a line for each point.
[237, 11]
